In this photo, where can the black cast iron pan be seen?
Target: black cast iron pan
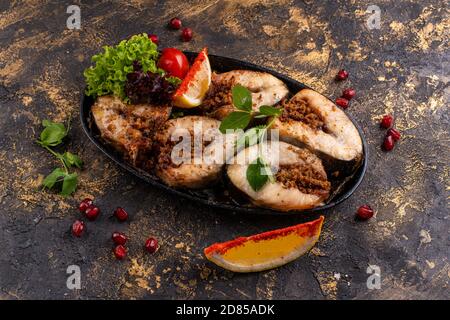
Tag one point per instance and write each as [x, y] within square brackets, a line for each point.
[221, 195]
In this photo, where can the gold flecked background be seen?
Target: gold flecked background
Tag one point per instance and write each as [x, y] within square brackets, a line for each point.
[402, 68]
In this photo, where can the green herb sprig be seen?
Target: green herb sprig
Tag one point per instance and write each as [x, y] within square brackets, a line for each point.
[242, 100]
[258, 172]
[52, 136]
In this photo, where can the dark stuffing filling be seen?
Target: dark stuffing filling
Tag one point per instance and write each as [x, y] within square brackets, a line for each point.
[165, 151]
[304, 178]
[140, 134]
[164, 159]
[299, 110]
[219, 95]
[146, 126]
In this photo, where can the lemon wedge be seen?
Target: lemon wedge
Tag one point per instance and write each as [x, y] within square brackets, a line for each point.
[267, 250]
[193, 89]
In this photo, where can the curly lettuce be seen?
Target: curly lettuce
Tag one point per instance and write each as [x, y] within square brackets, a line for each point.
[109, 74]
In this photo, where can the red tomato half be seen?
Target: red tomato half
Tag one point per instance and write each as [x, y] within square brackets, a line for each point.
[174, 62]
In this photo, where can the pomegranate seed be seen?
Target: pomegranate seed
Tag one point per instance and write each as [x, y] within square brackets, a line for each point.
[186, 34]
[348, 93]
[175, 23]
[120, 252]
[364, 212]
[154, 38]
[92, 212]
[121, 214]
[151, 245]
[342, 102]
[388, 143]
[387, 121]
[77, 228]
[342, 75]
[86, 203]
[119, 238]
[394, 133]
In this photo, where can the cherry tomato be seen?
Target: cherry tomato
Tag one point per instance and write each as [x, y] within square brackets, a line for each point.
[174, 62]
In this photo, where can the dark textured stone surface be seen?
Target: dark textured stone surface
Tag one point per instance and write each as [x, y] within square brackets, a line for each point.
[402, 68]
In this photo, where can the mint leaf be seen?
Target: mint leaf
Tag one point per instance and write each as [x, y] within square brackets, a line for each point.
[53, 177]
[235, 120]
[258, 173]
[47, 123]
[72, 160]
[69, 181]
[242, 98]
[69, 184]
[269, 111]
[53, 133]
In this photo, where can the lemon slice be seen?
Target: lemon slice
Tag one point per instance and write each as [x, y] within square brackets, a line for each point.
[193, 89]
[266, 250]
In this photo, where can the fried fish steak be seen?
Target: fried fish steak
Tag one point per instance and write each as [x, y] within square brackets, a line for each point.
[265, 88]
[311, 120]
[192, 152]
[300, 181]
[129, 128]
